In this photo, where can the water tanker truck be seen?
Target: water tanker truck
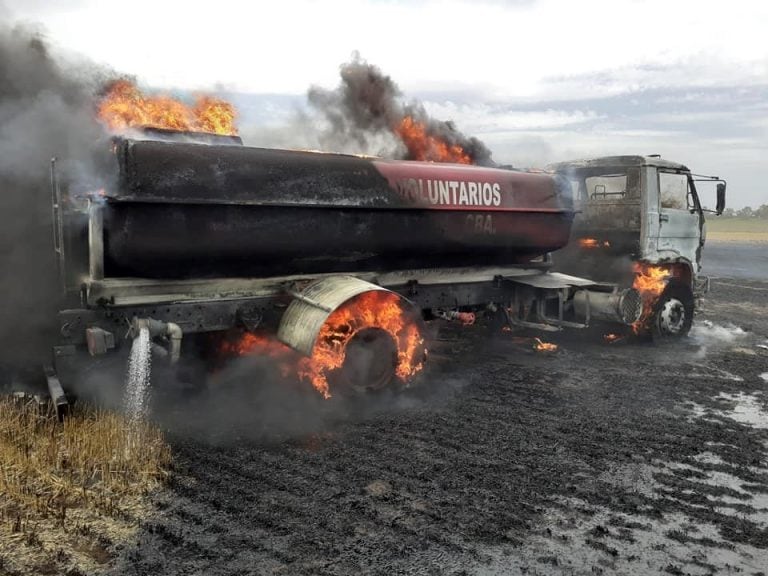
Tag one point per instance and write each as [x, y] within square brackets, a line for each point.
[197, 236]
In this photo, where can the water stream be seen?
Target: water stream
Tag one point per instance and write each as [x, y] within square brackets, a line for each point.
[136, 398]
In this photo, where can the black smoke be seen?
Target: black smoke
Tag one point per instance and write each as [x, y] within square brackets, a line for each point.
[368, 106]
[46, 110]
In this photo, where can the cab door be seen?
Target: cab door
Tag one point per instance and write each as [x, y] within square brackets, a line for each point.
[679, 217]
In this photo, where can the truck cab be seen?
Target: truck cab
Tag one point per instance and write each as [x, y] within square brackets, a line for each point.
[634, 210]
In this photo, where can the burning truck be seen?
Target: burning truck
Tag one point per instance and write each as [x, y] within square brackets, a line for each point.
[333, 264]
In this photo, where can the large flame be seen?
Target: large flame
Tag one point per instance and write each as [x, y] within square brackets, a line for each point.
[424, 146]
[650, 281]
[377, 309]
[125, 106]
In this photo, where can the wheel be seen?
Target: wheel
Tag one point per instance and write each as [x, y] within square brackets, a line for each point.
[673, 313]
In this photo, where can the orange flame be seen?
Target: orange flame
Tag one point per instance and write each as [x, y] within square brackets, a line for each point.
[611, 338]
[593, 243]
[423, 146]
[125, 106]
[542, 346]
[536, 343]
[650, 281]
[376, 309]
[263, 345]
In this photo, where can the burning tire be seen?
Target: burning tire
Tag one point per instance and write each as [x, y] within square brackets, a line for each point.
[353, 334]
[673, 313]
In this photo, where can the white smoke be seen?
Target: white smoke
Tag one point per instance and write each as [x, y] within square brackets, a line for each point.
[708, 335]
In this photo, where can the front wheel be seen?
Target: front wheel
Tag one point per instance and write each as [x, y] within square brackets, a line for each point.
[673, 313]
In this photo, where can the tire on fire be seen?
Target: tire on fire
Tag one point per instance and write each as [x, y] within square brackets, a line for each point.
[357, 335]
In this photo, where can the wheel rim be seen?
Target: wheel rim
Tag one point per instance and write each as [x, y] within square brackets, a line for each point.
[370, 360]
[671, 318]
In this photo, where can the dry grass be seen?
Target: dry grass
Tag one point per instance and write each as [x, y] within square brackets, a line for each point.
[73, 485]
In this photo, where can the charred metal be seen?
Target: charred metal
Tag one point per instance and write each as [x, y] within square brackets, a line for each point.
[205, 235]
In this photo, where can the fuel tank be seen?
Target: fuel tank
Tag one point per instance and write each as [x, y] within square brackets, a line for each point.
[184, 210]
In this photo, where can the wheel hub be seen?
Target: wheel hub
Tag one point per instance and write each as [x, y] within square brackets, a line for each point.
[370, 360]
[672, 317]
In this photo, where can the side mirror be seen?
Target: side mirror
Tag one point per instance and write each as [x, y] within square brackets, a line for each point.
[720, 198]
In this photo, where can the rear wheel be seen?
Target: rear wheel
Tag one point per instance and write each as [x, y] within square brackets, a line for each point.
[673, 313]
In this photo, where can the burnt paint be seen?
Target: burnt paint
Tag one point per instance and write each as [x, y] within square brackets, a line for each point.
[183, 210]
[182, 241]
[169, 172]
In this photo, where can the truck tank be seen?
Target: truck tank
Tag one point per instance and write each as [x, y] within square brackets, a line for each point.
[184, 210]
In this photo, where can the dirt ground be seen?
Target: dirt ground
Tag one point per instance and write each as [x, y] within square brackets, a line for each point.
[600, 458]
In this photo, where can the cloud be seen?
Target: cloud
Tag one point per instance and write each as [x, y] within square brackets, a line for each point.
[697, 71]
[488, 118]
[505, 49]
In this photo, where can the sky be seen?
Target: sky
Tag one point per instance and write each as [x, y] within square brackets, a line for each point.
[537, 80]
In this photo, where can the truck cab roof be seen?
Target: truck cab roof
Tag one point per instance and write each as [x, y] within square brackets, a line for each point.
[618, 162]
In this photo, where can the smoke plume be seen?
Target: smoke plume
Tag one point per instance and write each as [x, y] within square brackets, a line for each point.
[366, 111]
[46, 110]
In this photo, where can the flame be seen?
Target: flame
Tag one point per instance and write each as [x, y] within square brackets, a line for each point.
[125, 106]
[650, 281]
[590, 243]
[611, 338]
[376, 309]
[423, 146]
[542, 346]
[536, 343]
[253, 344]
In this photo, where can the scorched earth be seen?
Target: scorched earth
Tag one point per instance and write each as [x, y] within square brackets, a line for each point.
[598, 458]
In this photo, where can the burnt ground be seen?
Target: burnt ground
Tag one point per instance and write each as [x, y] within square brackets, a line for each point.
[631, 458]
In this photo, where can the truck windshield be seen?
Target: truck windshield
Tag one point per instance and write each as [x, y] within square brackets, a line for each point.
[604, 185]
